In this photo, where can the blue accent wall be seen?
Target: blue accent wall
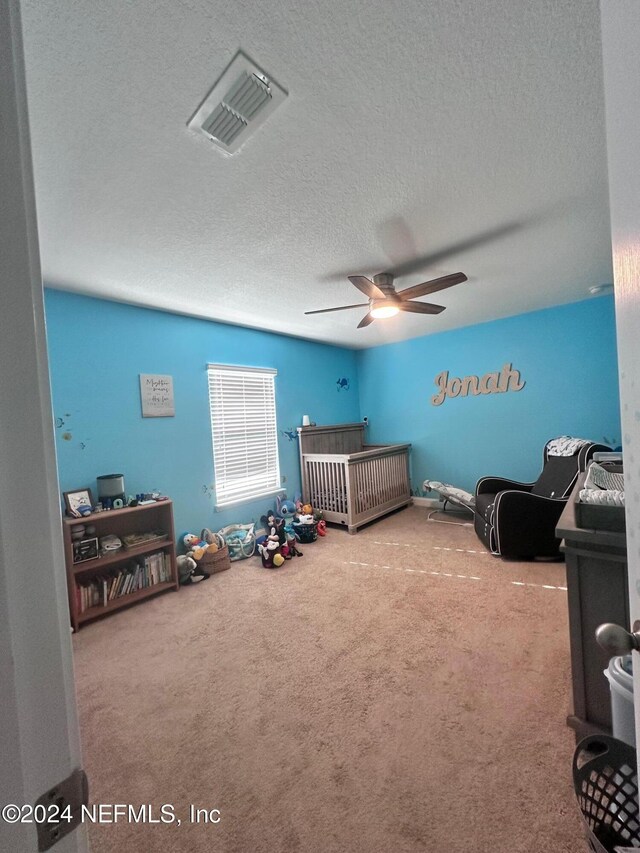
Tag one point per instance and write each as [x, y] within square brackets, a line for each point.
[567, 357]
[98, 348]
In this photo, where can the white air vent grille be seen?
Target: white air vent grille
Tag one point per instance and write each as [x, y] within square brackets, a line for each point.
[224, 125]
[248, 95]
[237, 105]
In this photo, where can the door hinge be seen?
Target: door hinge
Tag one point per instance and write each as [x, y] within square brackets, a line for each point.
[61, 808]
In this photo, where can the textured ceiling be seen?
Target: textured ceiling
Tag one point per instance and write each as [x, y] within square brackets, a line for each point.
[469, 135]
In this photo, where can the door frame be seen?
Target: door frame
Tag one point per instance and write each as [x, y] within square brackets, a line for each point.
[40, 734]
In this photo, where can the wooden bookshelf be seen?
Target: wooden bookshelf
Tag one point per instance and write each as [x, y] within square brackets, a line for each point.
[116, 579]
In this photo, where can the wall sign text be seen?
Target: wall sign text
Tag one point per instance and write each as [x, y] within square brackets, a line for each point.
[508, 379]
[156, 395]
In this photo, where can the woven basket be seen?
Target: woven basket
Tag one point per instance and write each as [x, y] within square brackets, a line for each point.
[215, 561]
[606, 785]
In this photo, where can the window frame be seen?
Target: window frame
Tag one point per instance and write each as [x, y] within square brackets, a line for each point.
[224, 432]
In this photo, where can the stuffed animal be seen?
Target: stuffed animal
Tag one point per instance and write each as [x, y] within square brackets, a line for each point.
[272, 521]
[196, 546]
[322, 527]
[189, 571]
[287, 511]
[270, 551]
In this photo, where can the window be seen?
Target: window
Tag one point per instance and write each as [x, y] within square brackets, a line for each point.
[245, 438]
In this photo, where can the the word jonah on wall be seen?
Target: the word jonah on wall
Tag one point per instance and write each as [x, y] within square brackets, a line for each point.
[508, 379]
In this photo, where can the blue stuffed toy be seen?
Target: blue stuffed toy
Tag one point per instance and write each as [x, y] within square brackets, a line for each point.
[287, 510]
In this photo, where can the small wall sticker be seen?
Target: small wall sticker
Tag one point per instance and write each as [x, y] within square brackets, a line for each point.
[343, 384]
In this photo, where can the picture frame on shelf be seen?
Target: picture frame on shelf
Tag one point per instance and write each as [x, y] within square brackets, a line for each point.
[77, 502]
[85, 549]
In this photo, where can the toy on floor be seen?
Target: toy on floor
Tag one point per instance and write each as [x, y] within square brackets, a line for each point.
[271, 521]
[188, 571]
[270, 551]
[197, 546]
[287, 510]
[302, 509]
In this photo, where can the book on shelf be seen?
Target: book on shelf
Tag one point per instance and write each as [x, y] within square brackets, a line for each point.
[137, 574]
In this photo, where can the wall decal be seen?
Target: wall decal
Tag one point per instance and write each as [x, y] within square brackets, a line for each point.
[290, 433]
[156, 395]
[508, 379]
[343, 384]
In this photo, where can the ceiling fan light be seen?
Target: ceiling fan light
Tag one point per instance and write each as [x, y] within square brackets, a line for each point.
[381, 308]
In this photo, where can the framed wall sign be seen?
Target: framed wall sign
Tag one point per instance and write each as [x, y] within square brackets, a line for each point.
[156, 396]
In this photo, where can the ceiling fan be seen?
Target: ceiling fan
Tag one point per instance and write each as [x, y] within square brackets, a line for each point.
[386, 301]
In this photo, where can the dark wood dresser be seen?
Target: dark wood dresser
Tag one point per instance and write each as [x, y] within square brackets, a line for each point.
[597, 591]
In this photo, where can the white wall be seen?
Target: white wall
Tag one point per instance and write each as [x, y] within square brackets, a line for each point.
[40, 743]
[621, 61]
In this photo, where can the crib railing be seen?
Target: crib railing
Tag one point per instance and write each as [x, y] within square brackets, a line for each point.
[355, 488]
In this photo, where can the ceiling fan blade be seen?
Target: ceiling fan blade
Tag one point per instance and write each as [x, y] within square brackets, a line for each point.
[366, 286]
[432, 286]
[341, 308]
[415, 264]
[366, 320]
[421, 307]
[397, 240]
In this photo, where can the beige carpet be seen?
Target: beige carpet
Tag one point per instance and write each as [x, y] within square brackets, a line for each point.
[398, 690]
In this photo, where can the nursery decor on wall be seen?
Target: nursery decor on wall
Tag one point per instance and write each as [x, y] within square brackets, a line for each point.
[508, 379]
[106, 414]
[566, 354]
[156, 395]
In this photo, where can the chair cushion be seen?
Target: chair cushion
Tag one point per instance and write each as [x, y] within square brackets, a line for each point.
[484, 506]
[557, 477]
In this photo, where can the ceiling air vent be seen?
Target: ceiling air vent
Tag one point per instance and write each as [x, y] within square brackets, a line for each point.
[237, 105]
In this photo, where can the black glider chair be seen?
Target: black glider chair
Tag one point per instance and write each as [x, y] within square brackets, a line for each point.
[519, 519]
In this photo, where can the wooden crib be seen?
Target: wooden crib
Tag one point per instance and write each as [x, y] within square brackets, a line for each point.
[352, 482]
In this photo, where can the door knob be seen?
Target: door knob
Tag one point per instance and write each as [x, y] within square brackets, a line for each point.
[616, 640]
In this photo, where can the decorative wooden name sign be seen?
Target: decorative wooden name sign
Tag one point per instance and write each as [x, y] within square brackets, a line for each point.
[507, 379]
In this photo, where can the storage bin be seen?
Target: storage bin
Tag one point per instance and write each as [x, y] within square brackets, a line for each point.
[605, 780]
[620, 680]
[240, 539]
[305, 532]
[215, 561]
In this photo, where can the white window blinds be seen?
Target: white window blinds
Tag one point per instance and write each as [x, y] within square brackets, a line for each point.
[245, 438]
